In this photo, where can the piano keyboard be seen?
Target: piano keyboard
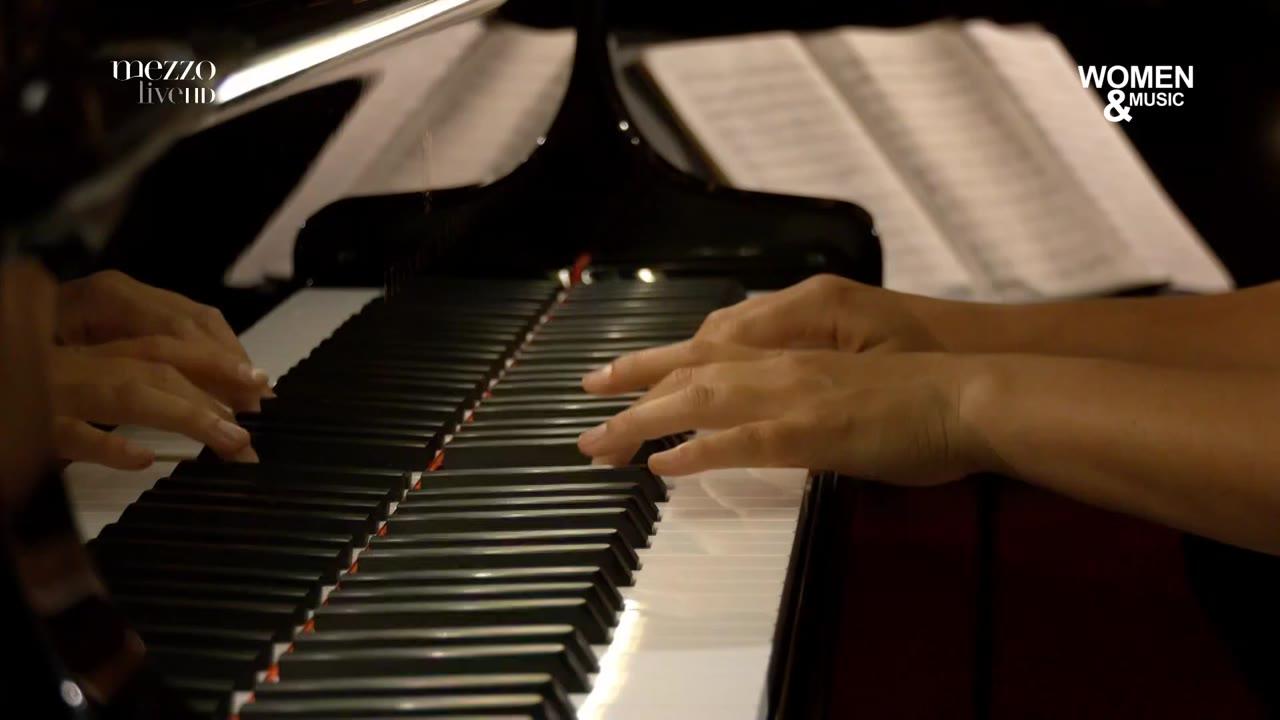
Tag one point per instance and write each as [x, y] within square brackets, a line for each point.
[423, 537]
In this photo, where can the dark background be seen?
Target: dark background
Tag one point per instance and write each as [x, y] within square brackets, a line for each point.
[1218, 156]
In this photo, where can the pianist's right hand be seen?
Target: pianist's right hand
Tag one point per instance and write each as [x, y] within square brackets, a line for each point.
[826, 312]
[156, 382]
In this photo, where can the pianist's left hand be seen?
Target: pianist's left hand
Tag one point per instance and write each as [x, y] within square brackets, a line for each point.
[110, 305]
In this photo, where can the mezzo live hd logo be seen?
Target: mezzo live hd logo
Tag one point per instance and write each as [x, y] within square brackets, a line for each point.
[168, 82]
[1138, 86]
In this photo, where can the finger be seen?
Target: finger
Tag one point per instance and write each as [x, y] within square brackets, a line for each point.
[768, 443]
[138, 403]
[696, 406]
[780, 320]
[181, 316]
[169, 379]
[76, 440]
[640, 370]
[226, 376]
[675, 381]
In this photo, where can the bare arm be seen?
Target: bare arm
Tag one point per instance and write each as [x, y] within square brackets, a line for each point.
[1191, 448]
[1194, 449]
[1232, 330]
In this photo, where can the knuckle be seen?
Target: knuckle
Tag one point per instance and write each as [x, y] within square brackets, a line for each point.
[757, 436]
[162, 374]
[701, 395]
[210, 316]
[681, 376]
[714, 323]
[127, 396]
[152, 346]
[701, 348]
[107, 278]
[183, 326]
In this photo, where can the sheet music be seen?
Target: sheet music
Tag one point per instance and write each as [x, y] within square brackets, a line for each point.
[400, 77]
[484, 119]
[1000, 194]
[1040, 72]
[769, 120]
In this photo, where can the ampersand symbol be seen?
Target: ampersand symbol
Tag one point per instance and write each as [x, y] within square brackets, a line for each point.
[1114, 111]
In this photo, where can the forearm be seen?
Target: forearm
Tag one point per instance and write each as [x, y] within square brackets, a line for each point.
[1192, 449]
[1233, 330]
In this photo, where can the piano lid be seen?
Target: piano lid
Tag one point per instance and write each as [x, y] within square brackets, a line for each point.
[81, 86]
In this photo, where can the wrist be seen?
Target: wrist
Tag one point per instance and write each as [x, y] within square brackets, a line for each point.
[983, 406]
[964, 327]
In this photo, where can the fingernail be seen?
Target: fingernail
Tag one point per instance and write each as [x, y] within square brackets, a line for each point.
[230, 433]
[599, 375]
[247, 455]
[592, 437]
[260, 376]
[244, 371]
[141, 457]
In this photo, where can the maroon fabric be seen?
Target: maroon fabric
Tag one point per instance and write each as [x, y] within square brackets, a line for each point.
[1094, 617]
[907, 625]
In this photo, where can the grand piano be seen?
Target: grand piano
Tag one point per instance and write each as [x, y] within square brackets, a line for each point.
[421, 538]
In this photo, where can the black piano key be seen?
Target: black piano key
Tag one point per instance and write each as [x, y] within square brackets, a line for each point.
[615, 518]
[357, 524]
[489, 591]
[573, 641]
[498, 400]
[632, 490]
[406, 687]
[240, 665]
[115, 569]
[428, 434]
[472, 707]
[582, 423]
[392, 454]
[514, 436]
[558, 611]
[550, 658]
[463, 454]
[279, 618]
[262, 496]
[396, 366]
[311, 407]
[581, 408]
[376, 499]
[486, 556]
[234, 535]
[613, 538]
[264, 592]
[326, 563]
[652, 485]
[296, 473]
[387, 386]
[415, 503]
[371, 369]
[364, 580]
[206, 637]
